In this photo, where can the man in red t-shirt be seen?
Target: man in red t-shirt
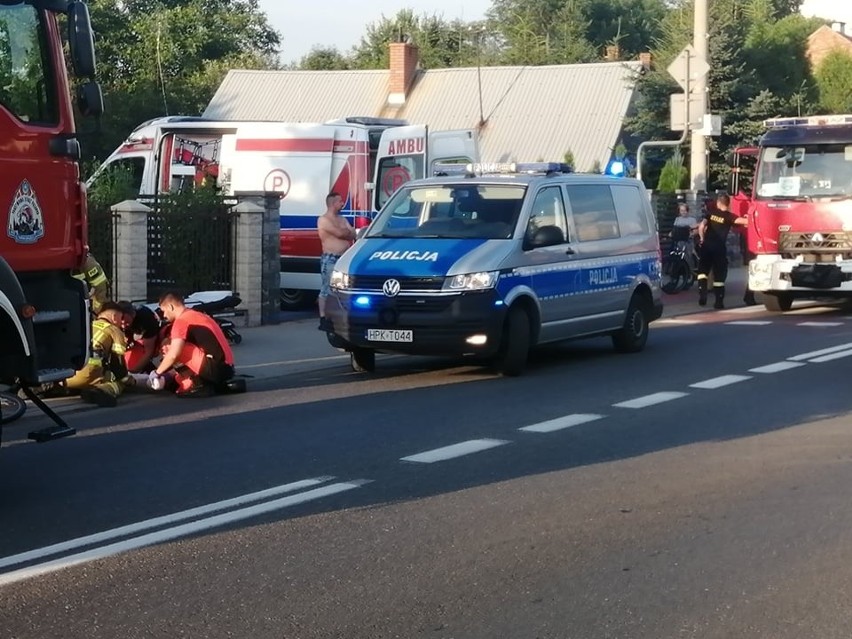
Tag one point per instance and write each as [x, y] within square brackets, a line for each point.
[197, 350]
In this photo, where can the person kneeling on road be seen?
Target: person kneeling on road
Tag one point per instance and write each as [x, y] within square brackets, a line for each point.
[198, 352]
[103, 378]
[142, 329]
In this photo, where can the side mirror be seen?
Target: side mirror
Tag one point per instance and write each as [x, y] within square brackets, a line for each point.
[545, 236]
[81, 40]
[90, 99]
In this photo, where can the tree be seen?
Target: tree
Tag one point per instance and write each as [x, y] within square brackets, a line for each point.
[674, 175]
[163, 57]
[441, 43]
[834, 80]
[325, 59]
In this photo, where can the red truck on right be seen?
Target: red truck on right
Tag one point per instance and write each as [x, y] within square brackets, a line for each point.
[800, 210]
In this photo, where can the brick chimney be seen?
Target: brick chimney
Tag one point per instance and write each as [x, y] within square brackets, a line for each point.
[646, 60]
[613, 53]
[403, 67]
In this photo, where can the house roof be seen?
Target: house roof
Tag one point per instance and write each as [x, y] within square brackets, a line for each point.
[530, 112]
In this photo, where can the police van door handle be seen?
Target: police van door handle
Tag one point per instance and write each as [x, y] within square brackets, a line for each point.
[570, 251]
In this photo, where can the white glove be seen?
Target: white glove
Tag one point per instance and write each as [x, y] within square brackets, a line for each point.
[155, 381]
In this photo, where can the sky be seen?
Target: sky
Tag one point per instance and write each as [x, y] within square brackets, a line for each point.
[341, 23]
[839, 10]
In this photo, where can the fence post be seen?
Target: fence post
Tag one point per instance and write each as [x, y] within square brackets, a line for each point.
[130, 258]
[248, 259]
[271, 268]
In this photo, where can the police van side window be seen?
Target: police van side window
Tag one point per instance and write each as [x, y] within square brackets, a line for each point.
[548, 212]
[632, 219]
[594, 212]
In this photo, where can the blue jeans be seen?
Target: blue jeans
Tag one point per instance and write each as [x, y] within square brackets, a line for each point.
[327, 262]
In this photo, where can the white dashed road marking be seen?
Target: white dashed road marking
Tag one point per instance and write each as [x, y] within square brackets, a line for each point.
[676, 321]
[651, 400]
[719, 382]
[777, 367]
[745, 310]
[561, 423]
[749, 323]
[820, 324]
[456, 450]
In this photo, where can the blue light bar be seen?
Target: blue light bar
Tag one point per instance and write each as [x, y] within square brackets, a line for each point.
[450, 168]
[363, 301]
[543, 167]
[616, 168]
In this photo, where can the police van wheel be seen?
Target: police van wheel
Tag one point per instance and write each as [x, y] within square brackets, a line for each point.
[515, 347]
[363, 360]
[778, 302]
[631, 338]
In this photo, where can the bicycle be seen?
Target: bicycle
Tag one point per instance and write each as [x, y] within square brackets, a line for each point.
[12, 407]
[679, 267]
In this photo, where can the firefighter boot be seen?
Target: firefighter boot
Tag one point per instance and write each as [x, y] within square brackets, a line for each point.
[702, 292]
[719, 292]
[748, 298]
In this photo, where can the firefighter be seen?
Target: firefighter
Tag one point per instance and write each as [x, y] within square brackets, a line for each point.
[713, 252]
[95, 277]
[103, 378]
[196, 351]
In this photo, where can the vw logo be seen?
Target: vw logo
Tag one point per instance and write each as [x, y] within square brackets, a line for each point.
[391, 288]
[818, 238]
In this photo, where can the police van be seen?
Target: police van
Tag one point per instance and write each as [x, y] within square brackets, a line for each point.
[491, 260]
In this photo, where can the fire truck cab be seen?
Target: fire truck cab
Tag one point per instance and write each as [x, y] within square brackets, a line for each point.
[800, 214]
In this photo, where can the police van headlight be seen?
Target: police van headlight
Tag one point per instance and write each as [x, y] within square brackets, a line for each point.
[471, 281]
[340, 280]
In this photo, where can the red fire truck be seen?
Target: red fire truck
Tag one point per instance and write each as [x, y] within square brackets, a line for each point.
[800, 210]
[44, 318]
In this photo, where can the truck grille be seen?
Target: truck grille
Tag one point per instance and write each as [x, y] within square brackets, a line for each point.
[375, 283]
[798, 243]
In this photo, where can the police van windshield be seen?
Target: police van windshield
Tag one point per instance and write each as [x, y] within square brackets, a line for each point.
[476, 211]
[805, 172]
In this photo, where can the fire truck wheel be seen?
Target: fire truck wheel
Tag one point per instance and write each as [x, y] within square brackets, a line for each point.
[777, 302]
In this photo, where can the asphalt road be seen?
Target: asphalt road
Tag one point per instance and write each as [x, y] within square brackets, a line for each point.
[698, 489]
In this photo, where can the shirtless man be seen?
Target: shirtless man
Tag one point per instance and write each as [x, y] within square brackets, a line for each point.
[336, 235]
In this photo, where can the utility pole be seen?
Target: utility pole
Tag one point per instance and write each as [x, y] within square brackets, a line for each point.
[698, 155]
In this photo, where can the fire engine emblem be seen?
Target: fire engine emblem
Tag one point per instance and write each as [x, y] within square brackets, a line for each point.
[26, 222]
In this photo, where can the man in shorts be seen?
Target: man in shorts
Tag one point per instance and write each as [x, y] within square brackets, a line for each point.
[336, 235]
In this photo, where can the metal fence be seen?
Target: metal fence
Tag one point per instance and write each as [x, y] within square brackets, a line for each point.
[665, 208]
[102, 239]
[191, 244]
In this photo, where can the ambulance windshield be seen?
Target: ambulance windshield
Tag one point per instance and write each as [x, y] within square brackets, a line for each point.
[475, 211]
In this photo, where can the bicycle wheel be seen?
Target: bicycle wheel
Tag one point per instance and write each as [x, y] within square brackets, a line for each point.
[11, 407]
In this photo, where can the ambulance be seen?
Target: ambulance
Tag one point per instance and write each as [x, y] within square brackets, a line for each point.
[364, 159]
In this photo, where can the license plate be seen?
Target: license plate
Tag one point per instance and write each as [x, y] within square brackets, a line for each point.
[389, 335]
